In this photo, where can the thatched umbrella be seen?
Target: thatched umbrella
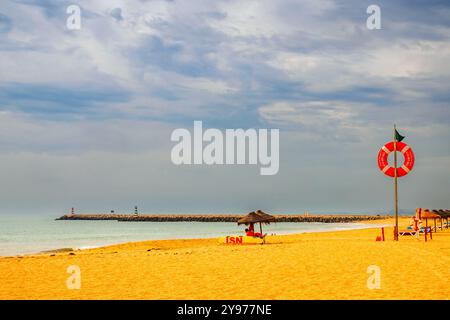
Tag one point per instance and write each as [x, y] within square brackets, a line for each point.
[257, 217]
[427, 214]
[441, 216]
[448, 215]
[444, 215]
[268, 217]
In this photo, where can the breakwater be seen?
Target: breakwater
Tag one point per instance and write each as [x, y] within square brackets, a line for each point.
[218, 217]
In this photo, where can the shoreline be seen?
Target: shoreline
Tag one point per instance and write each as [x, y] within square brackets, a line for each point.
[364, 224]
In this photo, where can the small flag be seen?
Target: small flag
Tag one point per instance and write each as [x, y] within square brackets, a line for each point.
[398, 136]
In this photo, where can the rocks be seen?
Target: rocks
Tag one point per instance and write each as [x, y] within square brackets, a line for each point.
[218, 217]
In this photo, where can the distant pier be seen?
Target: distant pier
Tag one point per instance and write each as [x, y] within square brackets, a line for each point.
[218, 217]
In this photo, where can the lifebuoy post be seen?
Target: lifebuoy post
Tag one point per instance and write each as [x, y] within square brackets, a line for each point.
[396, 171]
[395, 183]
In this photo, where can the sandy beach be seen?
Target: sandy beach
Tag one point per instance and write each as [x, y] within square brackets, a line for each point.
[326, 265]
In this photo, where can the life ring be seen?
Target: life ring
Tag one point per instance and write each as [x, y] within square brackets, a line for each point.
[403, 170]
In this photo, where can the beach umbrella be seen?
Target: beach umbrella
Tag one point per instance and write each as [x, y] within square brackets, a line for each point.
[256, 217]
[448, 215]
[440, 216]
[445, 215]
[427, 214]
[266, 216]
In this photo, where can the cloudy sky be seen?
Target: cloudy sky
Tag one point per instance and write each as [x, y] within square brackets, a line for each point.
[86, 115]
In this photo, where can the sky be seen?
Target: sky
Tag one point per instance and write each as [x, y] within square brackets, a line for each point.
[86, 115]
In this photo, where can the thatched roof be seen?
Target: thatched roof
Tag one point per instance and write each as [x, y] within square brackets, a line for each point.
[256, 217]
[265, 215]
[427, 214]
[443, 213]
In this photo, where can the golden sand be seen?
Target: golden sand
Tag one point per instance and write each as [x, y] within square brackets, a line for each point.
[327, 265]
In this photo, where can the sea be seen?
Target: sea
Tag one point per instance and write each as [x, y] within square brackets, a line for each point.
[29, 234]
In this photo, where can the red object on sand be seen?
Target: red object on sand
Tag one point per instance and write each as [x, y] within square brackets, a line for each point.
[388, 170]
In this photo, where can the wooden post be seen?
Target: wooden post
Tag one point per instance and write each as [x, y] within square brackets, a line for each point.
[382, 233]
[262, 236]
[426, 233]
[395, 185]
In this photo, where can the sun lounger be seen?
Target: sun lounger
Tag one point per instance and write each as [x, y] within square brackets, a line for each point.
[408, 232]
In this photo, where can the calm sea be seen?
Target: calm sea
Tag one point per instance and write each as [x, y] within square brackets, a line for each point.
[24, 234]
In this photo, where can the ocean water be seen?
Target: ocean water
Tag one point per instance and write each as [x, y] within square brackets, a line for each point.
[25, 234]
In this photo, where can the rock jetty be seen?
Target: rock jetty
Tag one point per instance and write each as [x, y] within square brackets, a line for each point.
[218, 217]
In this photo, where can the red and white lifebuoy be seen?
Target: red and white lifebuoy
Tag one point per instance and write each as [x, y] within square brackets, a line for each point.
[388, 170]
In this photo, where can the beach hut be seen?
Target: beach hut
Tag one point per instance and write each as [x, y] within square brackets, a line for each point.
[257, 217]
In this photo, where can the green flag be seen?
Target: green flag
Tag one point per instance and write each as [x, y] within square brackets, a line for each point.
[398, 136]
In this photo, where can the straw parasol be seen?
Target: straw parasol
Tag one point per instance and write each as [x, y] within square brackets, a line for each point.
[427, 214]
[268, 217]
[445, 214]
[441, 217]
[257, 217]
[448, 216]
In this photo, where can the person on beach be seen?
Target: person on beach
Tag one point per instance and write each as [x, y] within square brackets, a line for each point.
[250, 231]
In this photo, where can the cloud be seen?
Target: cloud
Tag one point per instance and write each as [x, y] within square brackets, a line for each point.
[116, 13]
[44, 100]
[137, 69]
[5, 23]
[166, 51]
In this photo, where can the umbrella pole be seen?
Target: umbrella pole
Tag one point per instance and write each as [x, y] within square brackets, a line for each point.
[260, 230]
